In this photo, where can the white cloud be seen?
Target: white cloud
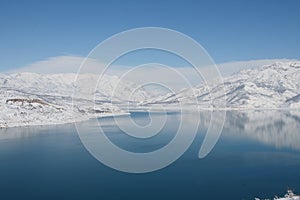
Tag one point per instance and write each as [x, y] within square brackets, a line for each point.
[53, 65]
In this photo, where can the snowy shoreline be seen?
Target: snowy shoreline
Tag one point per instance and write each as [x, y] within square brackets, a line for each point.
[76, 120]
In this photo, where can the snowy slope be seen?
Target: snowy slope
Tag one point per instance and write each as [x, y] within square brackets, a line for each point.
[271, 86]
[37, 99]
[64, 84]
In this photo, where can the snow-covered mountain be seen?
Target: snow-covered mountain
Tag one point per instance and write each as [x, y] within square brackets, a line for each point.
[30, 98]
[36, 99]
[64, 85]
[270, 86]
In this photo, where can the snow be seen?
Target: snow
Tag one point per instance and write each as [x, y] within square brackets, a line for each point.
[64, 85]
[40, 99]
[268, 87]
[289, 196]
[47, 98]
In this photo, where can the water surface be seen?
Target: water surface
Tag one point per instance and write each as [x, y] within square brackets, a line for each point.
[258, 154]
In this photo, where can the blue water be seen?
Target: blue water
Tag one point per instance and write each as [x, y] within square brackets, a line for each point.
[250, 160]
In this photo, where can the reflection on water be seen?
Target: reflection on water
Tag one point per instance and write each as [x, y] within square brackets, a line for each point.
[256, 155]
[274, 127]
[31, 131]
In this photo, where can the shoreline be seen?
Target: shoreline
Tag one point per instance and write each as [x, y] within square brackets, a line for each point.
[69, 121]
[144, 109]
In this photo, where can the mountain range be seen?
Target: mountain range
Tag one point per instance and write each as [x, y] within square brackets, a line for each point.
[267, 87]
[37, 99]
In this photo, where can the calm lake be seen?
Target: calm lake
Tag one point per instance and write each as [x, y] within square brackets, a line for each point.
[257, 155]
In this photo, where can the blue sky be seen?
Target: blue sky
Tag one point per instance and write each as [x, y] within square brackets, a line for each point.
[228, 30]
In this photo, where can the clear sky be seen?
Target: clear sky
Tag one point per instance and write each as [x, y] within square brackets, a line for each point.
[229, 30]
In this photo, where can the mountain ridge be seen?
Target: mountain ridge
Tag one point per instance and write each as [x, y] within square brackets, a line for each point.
[270, 86]
[38, 99]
